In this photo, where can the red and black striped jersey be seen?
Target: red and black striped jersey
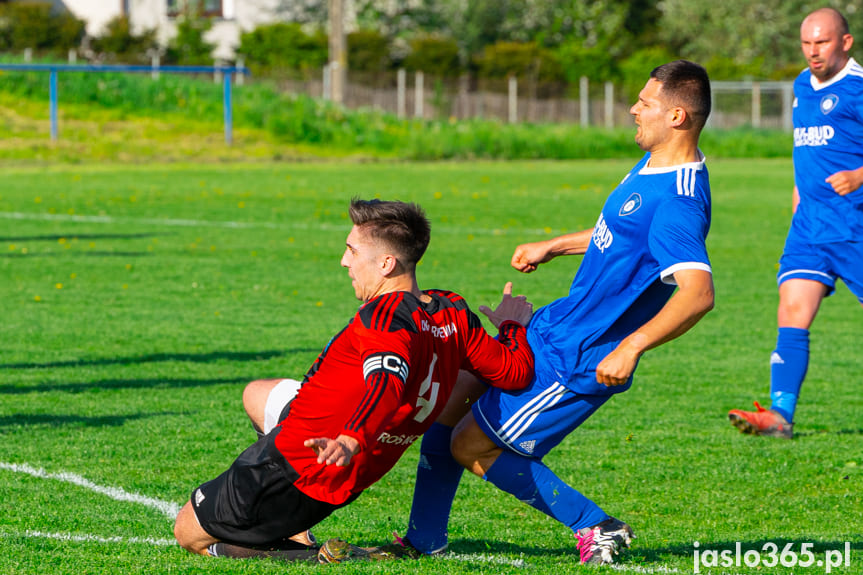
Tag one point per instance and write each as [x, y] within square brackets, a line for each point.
[385, 378]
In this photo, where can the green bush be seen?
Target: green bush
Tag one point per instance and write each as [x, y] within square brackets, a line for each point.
[368, 51]
[282, 46]
[520, 59]
[635, 69]
[35, 25]
[434, 55]
[188, 47]
[120, 44]
[595, 62]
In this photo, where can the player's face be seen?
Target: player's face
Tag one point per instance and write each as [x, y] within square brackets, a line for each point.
[363, 258]
[651, 116]
[825, 48]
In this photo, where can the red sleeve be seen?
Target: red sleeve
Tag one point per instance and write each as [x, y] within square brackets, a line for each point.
[385, 372]
[505, 362]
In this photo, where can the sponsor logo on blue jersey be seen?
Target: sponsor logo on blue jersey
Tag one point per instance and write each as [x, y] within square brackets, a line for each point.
[828, 103]
[602, 236]
[631, 204]
[813, 135]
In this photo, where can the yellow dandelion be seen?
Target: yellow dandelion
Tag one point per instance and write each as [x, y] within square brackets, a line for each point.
[129, 267]
[12, 247]
[37, 200]
[319, 303]
[241, 204]
[125, 286]
[438, 195]
[58, 285]
[72, 276]
[37, 298]
[61, 241]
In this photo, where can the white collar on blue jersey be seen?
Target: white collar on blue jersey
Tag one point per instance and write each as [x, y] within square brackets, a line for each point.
[697, 165]
[816, 85]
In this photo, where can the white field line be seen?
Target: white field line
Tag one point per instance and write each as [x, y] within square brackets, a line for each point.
[483, 558]
[91, 538]
[293, 225]
[171, 510]
[167, 508]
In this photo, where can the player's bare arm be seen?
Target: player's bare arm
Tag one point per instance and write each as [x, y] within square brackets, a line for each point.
[846, 181]
[338, 451]
[527, 257]
[513, 308]
[692, 300]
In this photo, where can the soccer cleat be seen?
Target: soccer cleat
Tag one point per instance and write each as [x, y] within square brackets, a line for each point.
[762, 422]
[340, 551]
[599, 544]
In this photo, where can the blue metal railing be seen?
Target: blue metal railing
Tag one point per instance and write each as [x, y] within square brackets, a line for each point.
[53, 70]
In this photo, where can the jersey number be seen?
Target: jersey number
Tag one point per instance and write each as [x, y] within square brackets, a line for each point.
[427, 405]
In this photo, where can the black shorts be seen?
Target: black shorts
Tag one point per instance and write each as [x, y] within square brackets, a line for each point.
[255, 503]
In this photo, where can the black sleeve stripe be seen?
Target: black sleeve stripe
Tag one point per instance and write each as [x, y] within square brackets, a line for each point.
[508, 335]
[384, 312]
[370, 401]
[390, 312]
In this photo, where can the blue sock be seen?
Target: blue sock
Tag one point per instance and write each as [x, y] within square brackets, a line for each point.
[530, 481]
[788, 366]
[438, 475]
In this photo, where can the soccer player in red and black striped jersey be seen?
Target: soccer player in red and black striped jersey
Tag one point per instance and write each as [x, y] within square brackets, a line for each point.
[375, 389]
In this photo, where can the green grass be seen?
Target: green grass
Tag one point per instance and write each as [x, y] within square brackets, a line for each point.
[134, 311]
[111, 117]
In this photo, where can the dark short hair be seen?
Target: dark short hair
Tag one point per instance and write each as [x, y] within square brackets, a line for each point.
[402, 226]
[685, 84]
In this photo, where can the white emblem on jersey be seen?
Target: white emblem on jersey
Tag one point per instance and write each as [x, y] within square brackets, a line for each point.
[602, 236]
[776, 358]
[528, 445]
[631, 204]
[829, 102]
[813, 135]
[386, 362]
[199, 496]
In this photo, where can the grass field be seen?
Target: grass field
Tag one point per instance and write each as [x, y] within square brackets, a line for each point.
[137, 302]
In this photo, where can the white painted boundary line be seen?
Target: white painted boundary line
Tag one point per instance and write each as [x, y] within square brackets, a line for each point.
[295, 225]
[167, 508]
[483, 558]
[91, 538]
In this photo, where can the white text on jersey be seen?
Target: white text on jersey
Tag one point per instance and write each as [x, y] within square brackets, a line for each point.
[813, 135]
[602, 236]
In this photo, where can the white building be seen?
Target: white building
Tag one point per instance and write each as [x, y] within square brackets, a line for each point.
[229, 17]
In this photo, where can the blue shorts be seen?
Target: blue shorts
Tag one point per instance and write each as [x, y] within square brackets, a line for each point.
[532, 421]
[823, 263]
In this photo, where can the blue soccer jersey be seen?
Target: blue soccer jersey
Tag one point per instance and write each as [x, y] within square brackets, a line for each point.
[828, 138]
[653, 224]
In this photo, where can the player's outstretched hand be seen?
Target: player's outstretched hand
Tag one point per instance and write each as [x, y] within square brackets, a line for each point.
[515, 308]
[338, 451]
[527, 257]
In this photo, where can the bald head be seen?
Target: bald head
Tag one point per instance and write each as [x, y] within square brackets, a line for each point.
[825, 41]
